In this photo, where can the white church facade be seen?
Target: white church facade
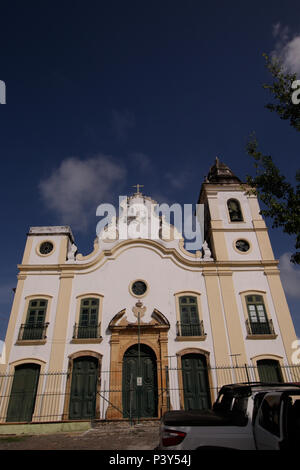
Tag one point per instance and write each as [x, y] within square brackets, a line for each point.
[140, 326]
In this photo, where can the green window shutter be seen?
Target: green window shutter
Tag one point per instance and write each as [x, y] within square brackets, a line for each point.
[88, 318]
[258, 319]
[35, 320]
[37, 311]
[189, 316]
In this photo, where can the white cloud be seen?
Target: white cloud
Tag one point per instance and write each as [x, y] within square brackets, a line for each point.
[77, 187]
[290, 276]
[287, 48]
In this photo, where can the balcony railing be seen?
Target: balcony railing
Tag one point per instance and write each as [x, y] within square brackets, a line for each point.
[260, 328]
[86, 331]
[189, 329]
[32, 331]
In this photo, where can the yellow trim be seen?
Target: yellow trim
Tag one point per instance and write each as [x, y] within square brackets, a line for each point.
[61, 319]
[231, 312]
[159, 249]
[27, 251]
[63, 249]
[11, 328]
[219, 336]
[283, 315]
[81, 257]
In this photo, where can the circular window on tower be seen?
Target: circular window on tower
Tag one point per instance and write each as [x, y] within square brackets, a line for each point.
[138, 288]
[242, 245]
[46, 248]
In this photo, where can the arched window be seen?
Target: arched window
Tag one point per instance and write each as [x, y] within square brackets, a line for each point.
[35, 326]
[258, 320]
[88, 326]
[269, 370]
[234, 209]
[23, 393]
[189, 317]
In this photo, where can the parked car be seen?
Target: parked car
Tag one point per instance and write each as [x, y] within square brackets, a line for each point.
[251, 416]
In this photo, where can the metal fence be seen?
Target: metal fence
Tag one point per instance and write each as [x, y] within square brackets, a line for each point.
[115, 398]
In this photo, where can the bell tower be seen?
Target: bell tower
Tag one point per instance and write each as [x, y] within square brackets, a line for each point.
[234, 228]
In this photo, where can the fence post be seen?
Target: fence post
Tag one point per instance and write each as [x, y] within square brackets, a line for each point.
[167, 388]
[248, 378]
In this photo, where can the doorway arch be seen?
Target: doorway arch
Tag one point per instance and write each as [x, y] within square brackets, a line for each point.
[194, 380]
[83, 386]
[23, 393]
[139, 382]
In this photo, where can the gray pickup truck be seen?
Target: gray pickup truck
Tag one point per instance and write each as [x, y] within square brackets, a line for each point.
[249, 416]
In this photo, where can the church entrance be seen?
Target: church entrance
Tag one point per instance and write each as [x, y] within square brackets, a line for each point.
[139, 382]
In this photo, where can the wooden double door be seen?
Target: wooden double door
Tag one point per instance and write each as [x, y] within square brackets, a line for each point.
[83, 393]
[23, 393]
[139, 382]
[195, 382]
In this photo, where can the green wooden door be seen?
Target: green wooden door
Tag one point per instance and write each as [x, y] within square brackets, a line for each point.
[83, 388]
[269, 371]
[195, 382]
[139, 400]
[23, 393]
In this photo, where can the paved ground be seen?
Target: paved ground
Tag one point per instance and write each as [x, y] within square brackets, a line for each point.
[105, 436]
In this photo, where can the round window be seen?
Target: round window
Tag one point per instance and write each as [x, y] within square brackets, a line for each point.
[139, 288]
[46, 248]
[242, 245]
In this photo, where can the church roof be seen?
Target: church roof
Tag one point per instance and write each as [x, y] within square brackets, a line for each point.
[221, 173]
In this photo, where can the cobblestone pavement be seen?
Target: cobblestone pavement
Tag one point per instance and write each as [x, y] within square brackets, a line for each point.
[104, 436]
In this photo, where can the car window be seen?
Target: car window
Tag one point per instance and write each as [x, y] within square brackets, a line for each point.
[270, 414]
[225, 402]
[240, 405]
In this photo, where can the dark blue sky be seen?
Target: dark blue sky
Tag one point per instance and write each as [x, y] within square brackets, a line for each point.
[157, 89]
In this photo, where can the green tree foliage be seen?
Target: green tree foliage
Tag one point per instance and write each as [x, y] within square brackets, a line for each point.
[281, 199]
[281, 89]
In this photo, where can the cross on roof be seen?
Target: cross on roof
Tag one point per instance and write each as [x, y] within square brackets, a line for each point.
[138, 186]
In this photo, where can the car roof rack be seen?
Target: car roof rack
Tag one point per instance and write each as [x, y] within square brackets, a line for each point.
[262, 384]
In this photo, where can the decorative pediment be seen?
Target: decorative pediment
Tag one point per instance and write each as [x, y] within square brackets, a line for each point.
[113, 322]
[158, 320]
